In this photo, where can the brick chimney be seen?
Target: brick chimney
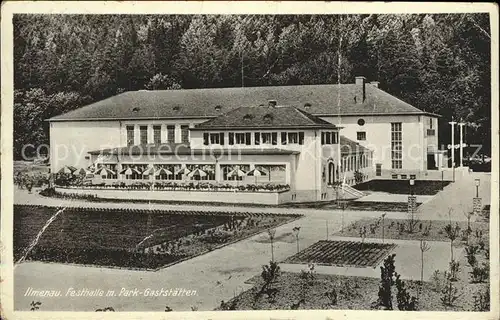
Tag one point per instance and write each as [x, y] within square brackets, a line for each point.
[375, 83]
[272, 103]
[360, 89]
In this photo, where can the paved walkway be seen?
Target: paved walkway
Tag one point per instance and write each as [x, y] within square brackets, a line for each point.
[23, 197]
[457, 197]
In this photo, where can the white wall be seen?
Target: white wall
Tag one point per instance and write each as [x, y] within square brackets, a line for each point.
[378, 138]
[270, 198]
[70, 142]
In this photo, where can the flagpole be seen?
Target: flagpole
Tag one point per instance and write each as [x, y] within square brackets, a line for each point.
[339, 155]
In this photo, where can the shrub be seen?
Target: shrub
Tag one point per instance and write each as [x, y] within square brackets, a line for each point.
[482, 300]
[386, 282]
[481, 244]
[437, 281]
[230, 305]
[34, 306]
[358, 177]
[480, 274]
[405, 302]
[449, 293]
[308, 275]
[471, 251]
[270, 273]
[427, 229]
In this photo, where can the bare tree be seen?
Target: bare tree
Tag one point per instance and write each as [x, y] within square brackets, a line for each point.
[452, 234]
[424, 247]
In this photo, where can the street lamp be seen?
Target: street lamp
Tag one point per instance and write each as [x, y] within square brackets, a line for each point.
[271, 233]
[295, 231]
[412, 183]
[477, 182]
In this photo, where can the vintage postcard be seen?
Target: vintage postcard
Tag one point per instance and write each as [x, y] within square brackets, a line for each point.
[249, 160]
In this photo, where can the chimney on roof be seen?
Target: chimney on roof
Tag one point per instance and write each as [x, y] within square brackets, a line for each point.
[360, 89]
[375, 83]
[273, 103]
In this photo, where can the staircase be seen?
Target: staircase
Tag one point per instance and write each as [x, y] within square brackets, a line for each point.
[350, 193]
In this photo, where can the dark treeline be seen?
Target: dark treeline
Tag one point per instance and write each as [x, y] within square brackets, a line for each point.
[438, 63]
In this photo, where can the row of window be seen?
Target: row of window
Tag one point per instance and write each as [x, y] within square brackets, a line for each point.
[353, 163]
[274, 173]
[259, 138]
[329, 138]
[157, 132]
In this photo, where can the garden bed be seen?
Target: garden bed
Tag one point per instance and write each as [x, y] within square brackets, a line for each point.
[432, 230]
[355, 206]
[353, 293]
[421, 187]
[342, 254]
[145, 239]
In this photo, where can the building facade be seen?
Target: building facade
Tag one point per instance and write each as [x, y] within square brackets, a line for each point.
[309, 137]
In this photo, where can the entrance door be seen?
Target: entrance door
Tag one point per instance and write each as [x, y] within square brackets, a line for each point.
[378, 169]
[431, 162]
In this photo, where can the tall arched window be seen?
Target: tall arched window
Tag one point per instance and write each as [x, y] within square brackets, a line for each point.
[331, 173]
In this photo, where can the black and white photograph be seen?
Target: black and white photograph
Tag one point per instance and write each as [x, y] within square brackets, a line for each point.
[192, 160]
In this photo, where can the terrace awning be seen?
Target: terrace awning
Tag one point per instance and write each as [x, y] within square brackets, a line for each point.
[67, 170]
[197, 173]
[256, 173]
[183, 170]
[104, 171]
[130, 171]
[237, 172]
[162, 171]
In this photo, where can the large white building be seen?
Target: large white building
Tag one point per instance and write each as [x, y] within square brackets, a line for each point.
[310, 137]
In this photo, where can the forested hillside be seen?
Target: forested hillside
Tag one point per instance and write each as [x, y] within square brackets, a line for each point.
[438, 63]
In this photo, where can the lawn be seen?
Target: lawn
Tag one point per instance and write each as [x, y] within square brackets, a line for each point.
[342, 253]
[421, 187]
[431, 230]
[145, 239]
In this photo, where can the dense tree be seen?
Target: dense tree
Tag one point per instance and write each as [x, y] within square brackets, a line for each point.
[438, 62]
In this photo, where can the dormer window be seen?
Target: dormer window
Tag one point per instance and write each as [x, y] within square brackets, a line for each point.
[177, 108]
[247, 117]
[135, 109]
[307, 105]
[218, 107]
[268, 118]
